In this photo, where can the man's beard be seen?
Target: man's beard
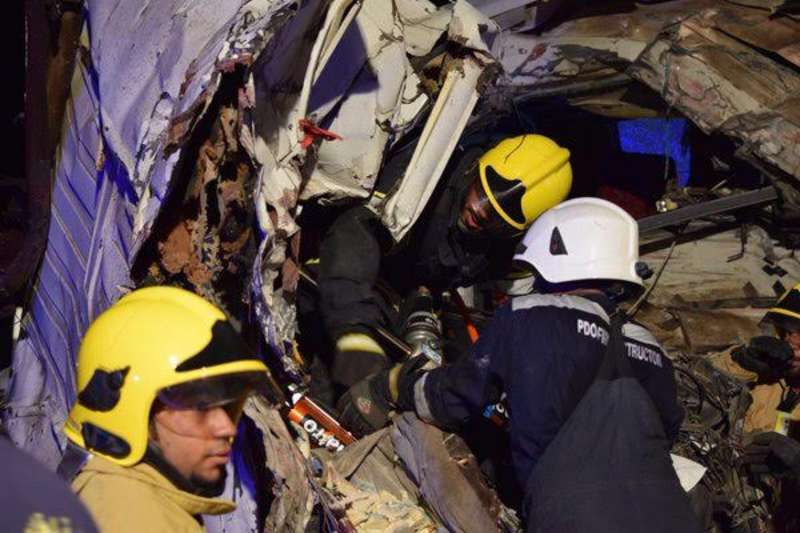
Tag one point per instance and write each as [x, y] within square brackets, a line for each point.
[209, 489]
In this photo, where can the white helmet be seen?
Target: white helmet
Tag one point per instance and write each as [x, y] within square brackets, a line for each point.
[583, 239]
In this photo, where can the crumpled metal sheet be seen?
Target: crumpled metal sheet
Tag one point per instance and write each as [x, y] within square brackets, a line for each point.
[586, 49]
[369, 94]
[699, 271]
[288, 155]
[135, 98]
[725, 85]
[84, 269]
[293, 496]
[730, 69]
[448, 476]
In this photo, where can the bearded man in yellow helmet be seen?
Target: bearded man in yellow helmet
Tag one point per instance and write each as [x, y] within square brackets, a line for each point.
[466, 234]
[162, 380]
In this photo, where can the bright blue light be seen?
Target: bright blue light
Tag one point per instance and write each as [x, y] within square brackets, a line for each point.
[658, 136]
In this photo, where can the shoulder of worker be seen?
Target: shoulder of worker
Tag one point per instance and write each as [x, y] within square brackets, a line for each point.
[555, 304]
[138, 498]
[547, 302]
[641, 345]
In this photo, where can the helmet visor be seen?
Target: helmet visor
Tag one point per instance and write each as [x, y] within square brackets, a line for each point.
[203, 394]
[200, 408]
[479, 216]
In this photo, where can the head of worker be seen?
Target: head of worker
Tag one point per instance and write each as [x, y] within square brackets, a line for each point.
[785, 318]
[512, 184]
[584, 243]
[162, 379]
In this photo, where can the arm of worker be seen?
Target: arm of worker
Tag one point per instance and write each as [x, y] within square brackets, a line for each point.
[448, 396]
[665, 397]
[350, 256]
[764, 358]
[774, 454]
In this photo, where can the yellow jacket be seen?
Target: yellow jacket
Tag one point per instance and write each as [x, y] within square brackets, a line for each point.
[763, 413]
[139, 499]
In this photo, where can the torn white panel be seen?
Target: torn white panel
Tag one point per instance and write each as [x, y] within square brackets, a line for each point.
[470, 28]
[282, 82]
[424, 24]
[508, 13]
[689, 472]
[445, 124]
[368, 93]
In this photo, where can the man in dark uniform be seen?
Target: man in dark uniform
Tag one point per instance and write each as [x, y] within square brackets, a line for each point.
[543, 350]
[35, 499]
[464, 235]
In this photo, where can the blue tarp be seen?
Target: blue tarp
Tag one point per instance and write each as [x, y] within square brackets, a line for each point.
[659, 136]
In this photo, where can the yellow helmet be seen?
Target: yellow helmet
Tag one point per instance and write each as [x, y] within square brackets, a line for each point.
[156, 342]
[785, 314]
[524, 176]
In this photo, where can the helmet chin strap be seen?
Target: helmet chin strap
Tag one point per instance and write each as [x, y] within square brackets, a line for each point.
[155, 458]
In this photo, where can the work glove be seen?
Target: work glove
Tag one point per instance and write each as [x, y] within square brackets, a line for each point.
[402, 379]
[357, 356]
[773, 453]
[366, 406]
[768, 357]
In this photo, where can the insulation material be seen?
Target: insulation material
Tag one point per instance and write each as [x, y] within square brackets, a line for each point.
[367, 484]
[203, 241]
[449, 477]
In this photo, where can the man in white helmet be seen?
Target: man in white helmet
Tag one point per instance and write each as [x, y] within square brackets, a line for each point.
[544, 350]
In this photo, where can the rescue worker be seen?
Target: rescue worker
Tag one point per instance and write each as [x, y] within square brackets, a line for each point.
[162, 380]
[466, 234]
[544, 349]
[771, 368]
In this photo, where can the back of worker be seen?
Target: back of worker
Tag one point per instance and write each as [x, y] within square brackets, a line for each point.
[569, 334]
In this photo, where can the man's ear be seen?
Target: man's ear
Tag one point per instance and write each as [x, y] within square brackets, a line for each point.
[152, 427]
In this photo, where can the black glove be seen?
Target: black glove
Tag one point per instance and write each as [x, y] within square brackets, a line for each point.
[402, 380]
[773, 453]
[366, 406]
[358, 356]
[768, 357]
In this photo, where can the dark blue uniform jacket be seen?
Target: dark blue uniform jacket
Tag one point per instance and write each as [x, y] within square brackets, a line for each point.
[543, 351]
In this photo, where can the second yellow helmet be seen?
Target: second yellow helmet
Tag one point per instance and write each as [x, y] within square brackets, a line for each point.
[525, 176]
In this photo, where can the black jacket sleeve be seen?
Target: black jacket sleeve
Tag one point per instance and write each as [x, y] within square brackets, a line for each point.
[453, 394]
[350, 256]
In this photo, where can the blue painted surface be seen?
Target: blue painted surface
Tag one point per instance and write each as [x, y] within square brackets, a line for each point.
[659, 136]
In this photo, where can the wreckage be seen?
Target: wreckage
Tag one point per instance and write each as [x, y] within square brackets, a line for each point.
[195, 134]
